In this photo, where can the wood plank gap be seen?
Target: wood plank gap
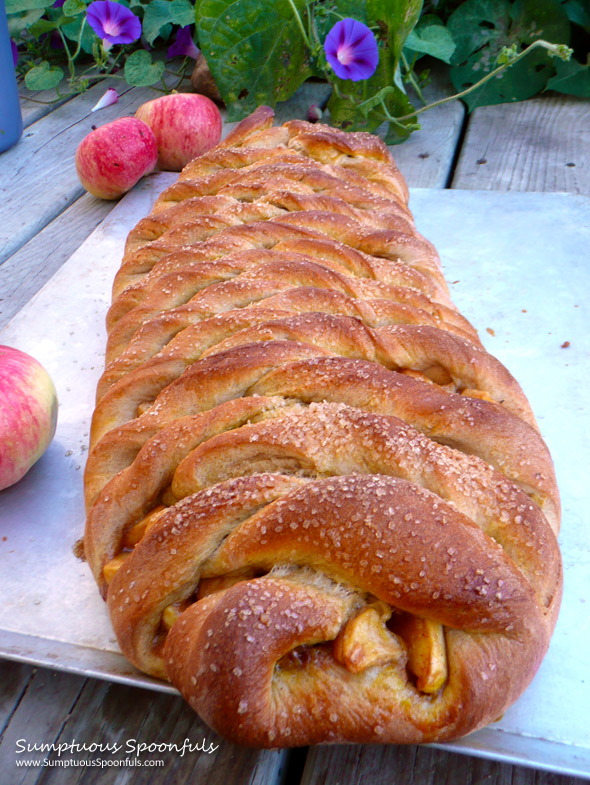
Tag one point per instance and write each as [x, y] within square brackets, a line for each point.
[67, 202]
[42, 772]
[72, 707]
[294, 766]
[457, 151]
[536, 145]
[425, 159]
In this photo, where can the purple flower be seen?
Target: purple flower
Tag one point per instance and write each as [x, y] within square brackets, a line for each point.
[14, 52]
[58, 3]
[112, 22]
[184, 46]
[351, 50]
[110, 97]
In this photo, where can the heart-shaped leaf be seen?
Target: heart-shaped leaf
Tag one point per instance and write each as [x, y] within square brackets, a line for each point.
[578, 11]
[43, 76]
[74, 7]
[71, 29]
[431, 37]
[141, 71]
[41, 27]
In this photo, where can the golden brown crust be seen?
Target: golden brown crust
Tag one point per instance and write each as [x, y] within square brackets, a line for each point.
[315, 503]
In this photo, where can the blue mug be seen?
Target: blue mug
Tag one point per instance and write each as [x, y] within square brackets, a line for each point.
[11, 123]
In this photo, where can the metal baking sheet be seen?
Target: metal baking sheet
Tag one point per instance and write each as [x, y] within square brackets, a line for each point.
[517, 267]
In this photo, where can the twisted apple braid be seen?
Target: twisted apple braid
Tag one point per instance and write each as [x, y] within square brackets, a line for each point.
[316, 504]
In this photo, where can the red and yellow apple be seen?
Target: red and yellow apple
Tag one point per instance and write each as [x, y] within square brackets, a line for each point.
[114, 157]
[185, 125]
[28, 413]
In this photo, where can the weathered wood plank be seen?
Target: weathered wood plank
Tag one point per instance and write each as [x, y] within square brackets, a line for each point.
[38, 177]
[35, 104]
[26, 271]
[381, 765]
[538, 145]
[426, 158]
[118, 715]
[14, 677]
[38, 719]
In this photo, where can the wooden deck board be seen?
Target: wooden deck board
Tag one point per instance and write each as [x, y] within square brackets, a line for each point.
[37, 719]
[38, 176]
[35, 104]
[14, 677]
[27, 270]
[537, 145]
[382, 765]
[115, 714]
[426, 158]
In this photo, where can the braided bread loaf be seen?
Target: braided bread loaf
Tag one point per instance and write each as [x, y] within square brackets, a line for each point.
[315, 503]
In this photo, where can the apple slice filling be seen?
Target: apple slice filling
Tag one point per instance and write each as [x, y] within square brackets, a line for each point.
[371, 637]
[365, 641]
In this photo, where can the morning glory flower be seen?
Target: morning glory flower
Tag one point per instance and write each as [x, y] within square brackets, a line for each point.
[351, 50]
[184, 46]
[113, 23]
[110, 97]
[14, 50]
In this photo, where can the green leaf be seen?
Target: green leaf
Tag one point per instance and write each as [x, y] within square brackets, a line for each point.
[431, 37]
[140, 71]
[17, 23]
[41, 26]
[72, 31]
[476, 24]
[578, 12]
[395, 19]
[534, 19]
[74, 7]
[254, 49]
[160, 13]
[18, 6]
[571, 78]
[43, 76]
[481, 28]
